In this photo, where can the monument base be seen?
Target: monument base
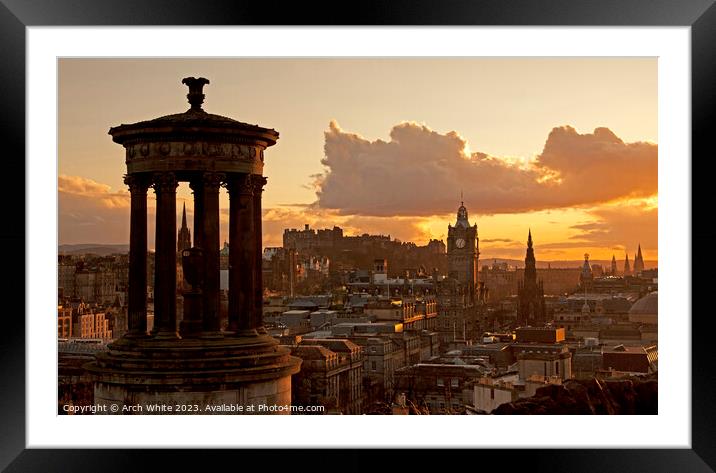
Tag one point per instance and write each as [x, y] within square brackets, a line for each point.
[237, 375]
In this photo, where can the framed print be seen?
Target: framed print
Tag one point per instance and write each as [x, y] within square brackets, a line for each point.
[415, 210]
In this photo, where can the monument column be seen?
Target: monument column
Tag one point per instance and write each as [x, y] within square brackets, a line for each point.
[165, 271]
[197, 187]
[241, 254]
[210, 245]
[258, 183]
[137, 290]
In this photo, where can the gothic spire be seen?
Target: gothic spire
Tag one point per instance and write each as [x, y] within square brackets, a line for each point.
[183, 235]
[638, 261]
[530, 263]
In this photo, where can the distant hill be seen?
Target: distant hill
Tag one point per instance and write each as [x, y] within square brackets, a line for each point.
[565, 263]
[94, 248]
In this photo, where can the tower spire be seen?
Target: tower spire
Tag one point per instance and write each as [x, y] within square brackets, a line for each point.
[530, 292]
[183, 236]
[638, 261]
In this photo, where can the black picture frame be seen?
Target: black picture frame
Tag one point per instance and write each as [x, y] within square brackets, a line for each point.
[16, 15]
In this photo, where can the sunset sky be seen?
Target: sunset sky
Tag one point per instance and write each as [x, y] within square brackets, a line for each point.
[564, 146]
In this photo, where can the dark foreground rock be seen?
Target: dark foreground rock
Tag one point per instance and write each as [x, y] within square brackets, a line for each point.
[634, 395]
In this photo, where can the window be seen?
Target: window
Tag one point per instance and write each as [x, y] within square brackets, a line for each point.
[454, 382]
[492, 393]
[441, 382]
[373, 366]
[556, 367]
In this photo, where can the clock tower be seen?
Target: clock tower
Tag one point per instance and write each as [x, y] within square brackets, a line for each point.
[463, 253]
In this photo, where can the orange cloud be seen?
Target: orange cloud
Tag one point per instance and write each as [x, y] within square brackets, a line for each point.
[83, 187]
[622, 226]
[420, 172]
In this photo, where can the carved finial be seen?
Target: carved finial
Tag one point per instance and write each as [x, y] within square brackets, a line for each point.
[195, 95]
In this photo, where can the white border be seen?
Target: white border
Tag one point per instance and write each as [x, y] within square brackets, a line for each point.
[671, 428]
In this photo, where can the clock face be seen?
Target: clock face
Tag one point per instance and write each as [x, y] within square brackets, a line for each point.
[460, 243]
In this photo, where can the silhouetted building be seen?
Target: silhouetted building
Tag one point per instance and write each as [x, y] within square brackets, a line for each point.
[463, 253]
[531, 307]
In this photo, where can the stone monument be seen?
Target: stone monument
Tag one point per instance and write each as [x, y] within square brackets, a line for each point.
[195, 363]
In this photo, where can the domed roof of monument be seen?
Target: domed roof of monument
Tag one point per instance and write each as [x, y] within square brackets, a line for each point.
[196, 119]
[649, 304]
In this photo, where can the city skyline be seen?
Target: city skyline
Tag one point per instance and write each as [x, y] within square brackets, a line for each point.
[334, 323]
[568, 147]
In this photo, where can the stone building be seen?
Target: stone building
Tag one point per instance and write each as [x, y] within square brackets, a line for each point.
[540, 352]
[381, 357]
[64, 321]
[81, 320]
[457, 316]
[463, 254]
[331, 375]
[443, 384]
[348, 370]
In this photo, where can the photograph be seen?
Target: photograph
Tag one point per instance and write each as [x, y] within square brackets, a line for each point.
[358, 235]
[243, 213]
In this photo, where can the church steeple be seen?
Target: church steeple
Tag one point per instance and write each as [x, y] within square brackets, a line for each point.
[638, 261]
[627, 268]
[184, 236]
[614, 266]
